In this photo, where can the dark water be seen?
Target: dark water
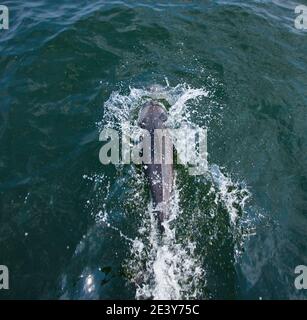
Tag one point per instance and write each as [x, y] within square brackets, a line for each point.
[60, 62]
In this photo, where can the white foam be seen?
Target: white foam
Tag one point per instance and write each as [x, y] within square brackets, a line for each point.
[172, 270]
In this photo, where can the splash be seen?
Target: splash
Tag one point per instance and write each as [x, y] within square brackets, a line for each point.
[120, 108]
[233, 196]
[171, 266]
[172, 270]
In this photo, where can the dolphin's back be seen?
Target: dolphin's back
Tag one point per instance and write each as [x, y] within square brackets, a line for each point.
[160, 175]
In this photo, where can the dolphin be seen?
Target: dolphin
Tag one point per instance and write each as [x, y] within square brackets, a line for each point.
[153, 116]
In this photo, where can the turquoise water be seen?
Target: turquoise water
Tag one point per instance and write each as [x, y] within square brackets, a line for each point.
[72, 228]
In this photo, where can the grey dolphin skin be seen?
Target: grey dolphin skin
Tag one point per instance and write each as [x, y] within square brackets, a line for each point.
[153, 116]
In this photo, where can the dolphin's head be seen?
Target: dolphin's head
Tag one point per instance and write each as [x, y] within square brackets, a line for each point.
[152, 116]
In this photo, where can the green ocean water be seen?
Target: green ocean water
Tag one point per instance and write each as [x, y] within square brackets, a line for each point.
[69, 225]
